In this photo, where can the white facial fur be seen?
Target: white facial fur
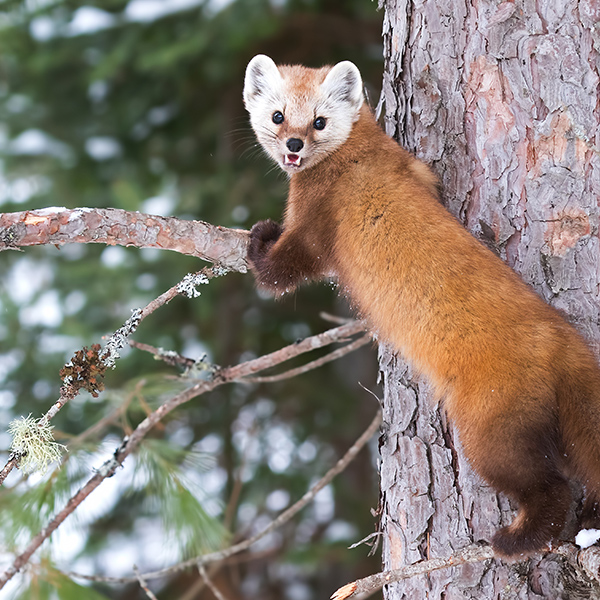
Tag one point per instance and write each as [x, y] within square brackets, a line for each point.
[301, 95]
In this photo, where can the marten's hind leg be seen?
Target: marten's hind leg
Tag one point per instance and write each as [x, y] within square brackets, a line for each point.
[518, 456]
[543, 507]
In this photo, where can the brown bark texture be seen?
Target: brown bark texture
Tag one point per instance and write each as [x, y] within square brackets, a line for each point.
[57, 225]
[501, 98]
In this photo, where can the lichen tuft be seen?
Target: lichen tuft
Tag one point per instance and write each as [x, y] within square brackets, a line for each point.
[33, 444]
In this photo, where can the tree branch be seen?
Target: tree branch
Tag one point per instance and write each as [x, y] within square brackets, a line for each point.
[369, 585]
[130, 443]
[587, 558]
[224, 247]
[358, 343]
[220, 245]
[143, 583]
[11, 463]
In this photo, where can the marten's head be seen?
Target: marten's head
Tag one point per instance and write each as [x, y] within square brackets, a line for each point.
[301, 115]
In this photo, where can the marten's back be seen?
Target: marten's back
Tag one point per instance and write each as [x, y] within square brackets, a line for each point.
[512, 372]
[428, 287]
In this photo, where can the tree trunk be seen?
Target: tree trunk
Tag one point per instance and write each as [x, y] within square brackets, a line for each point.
[502, 100]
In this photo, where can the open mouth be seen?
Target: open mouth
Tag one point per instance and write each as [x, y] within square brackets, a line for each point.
[291, 160]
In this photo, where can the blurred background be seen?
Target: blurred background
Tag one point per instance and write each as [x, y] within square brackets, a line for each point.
[138, 105]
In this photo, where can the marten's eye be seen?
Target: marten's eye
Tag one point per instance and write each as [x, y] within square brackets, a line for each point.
[277, 117]
[319, 123]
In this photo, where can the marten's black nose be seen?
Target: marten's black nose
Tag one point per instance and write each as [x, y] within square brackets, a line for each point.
[294, 145]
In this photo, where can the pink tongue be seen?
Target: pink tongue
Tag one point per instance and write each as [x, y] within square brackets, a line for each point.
[292, 158]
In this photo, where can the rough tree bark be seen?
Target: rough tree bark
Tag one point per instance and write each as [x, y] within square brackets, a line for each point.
[501, 98]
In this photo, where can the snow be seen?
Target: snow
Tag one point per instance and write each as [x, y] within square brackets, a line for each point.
[46, 311]
[22, 189]
[42, 28]
[240, 213]
[77, 212]
[48, 210]
[324, 504]
[26, 278]
[9, 361]
[113, 257]
[587, 537]
[90, 19]
[277, 500]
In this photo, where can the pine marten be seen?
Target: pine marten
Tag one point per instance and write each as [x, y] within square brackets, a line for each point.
[519, 383]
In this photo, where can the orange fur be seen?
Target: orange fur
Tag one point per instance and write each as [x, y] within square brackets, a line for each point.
[519, 383]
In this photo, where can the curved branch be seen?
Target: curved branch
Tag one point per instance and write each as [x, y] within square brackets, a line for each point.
[112, 226]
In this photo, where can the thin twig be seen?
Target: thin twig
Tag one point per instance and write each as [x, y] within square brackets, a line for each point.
[211, 586]
[236, 491]
[173, 359]
[284, 517]
[143, 584]
[334, 318]
[130, 443]
[361, 341]
[109, 419]
[337, 334]
[366, 540]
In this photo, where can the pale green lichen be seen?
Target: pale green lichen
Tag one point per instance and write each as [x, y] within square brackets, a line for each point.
[33, 444]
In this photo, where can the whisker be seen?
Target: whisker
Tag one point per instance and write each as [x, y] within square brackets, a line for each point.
[252, 151]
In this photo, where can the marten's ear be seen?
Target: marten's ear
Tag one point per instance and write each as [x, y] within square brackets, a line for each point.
[262, 77]
[344, 83]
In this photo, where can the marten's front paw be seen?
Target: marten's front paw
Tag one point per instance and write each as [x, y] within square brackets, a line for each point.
[262, 236]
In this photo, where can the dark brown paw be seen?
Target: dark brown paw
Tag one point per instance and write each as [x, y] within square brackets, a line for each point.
[514, 542]
[262, 237]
